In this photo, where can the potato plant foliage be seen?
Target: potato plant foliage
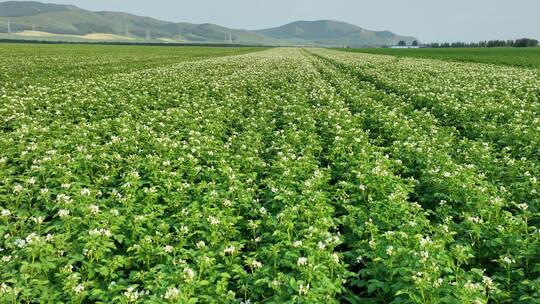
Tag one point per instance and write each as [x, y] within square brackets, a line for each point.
[209, 175]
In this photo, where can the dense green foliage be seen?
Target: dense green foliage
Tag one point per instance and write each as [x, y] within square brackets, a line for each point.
[520, 57]
[283, 176]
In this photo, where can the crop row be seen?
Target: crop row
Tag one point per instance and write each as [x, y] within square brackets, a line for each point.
[450, 175]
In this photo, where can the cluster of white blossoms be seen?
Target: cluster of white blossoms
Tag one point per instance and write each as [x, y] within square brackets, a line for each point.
[172, 293]
[8, 290]
[390, 250]
[509, 260]
[418, 277]
[132, 294]
[5, 212]
[94, 209]
[472, 286]
[214, 221]
[78, 288]
[229, 250]
[67, 269]
[100, 232]
[18, 189]
[85, 191]
[303, 289]
[63, 213]
[488, 282]
[254, 264]
[189, 274]
[523, 206]
[63, 198]
[302, 261]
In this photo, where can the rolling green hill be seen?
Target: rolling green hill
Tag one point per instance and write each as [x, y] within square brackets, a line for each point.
[31, 8]
[36, 20]
[70, 20]
[328, 32]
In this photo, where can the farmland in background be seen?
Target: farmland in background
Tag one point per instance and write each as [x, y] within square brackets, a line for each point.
[519, 57]
[22, 64]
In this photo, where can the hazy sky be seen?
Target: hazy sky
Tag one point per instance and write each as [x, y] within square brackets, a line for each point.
[429, 20]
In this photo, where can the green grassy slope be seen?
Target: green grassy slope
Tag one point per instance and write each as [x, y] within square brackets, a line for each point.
[30, 8]
[522, 57]
[70, 20]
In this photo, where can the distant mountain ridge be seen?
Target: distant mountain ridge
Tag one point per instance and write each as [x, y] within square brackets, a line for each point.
[329, 32]
[30, 18]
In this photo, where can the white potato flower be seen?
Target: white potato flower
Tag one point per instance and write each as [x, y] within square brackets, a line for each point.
[302, 261]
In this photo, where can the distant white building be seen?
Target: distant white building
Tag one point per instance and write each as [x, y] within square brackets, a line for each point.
[404, 47]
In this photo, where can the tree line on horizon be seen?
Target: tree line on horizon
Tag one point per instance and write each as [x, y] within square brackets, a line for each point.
[522, 42]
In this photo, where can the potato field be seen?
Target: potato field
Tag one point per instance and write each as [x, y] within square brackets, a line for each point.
[251, 175]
